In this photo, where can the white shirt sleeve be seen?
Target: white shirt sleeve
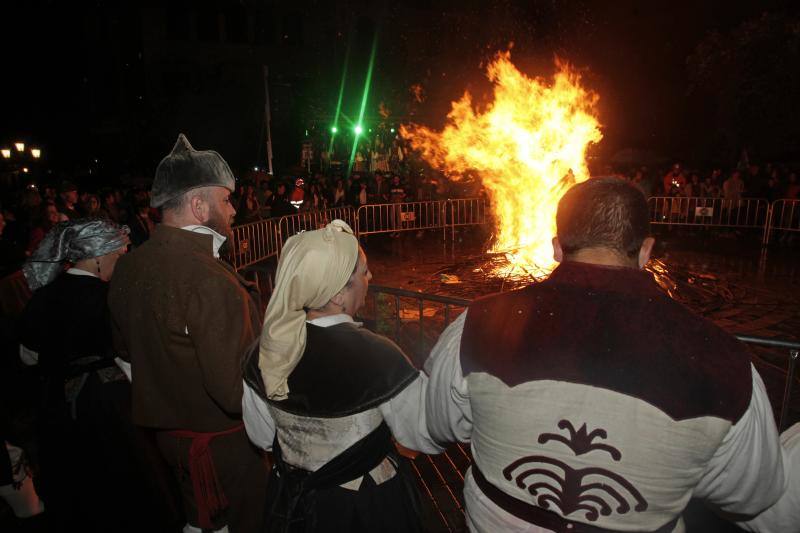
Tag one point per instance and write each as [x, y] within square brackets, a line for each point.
[28, 356]
[125, 366]
[447, 407]
[746, 473]
[405, 416]
[258, 422]
[785, 514]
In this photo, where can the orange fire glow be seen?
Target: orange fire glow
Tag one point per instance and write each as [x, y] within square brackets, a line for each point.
[528, 146]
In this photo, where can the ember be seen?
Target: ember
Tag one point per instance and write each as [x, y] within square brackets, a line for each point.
[528, 146]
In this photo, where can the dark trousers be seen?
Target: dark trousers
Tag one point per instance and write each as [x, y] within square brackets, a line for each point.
[241, 471]
[387, 507]
[100, 472]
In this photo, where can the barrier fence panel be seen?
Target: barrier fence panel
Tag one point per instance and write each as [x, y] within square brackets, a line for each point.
[254, 242]
[310, 220]
[465, 212]
[681, 211]
[405, 216]
[347, 214]
[260, 240]
[784, 216]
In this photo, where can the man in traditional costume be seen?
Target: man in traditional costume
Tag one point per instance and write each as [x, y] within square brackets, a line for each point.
[185, 320]
[592, 401]
[327, 396]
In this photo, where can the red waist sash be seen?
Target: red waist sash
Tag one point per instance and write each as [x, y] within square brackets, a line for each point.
[208, 494]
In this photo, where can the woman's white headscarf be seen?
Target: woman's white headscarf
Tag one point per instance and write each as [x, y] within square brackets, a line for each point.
[314, 266]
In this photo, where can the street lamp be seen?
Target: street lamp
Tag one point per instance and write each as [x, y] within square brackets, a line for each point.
[36, 153]
[20, 147]
[6, 153]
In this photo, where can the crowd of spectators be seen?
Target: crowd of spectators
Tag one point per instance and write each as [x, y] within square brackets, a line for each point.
[771, 182]
[29, 211]
[268, 197]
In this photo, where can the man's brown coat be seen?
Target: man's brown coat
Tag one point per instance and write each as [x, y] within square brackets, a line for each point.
[185, 321]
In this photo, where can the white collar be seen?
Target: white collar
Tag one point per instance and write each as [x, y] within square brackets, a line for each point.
[219, 240]
[81, 272]
[333, 320]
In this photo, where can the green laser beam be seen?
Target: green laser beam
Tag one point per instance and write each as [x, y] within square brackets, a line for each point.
[341, 94]
[364, 97]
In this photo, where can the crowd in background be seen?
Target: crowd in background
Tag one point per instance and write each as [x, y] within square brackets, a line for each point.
[268, 197]
[771, 182]
[30, 209]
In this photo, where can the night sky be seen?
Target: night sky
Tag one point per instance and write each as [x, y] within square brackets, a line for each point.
[691, 80]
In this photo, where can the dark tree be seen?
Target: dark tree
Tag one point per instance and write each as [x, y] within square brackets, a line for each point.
[743, 87]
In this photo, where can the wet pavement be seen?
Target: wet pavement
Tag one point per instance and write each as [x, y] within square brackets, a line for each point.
[723, 275]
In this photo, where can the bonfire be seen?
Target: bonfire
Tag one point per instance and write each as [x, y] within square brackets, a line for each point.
[528, 146]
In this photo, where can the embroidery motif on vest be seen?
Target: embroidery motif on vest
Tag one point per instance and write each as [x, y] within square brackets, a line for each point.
[592, 489]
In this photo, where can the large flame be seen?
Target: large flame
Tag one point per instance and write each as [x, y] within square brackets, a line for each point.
[528, 146]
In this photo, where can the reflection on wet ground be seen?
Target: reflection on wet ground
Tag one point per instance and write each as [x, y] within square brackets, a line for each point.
[723, 276]
[733, 282]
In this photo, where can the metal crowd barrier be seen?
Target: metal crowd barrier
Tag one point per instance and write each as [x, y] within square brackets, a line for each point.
[310, 220]
[404, 216]
[415, 312]
[681, 211]
[784, 215]
[465, 212]
[260, 240]
[254, 242]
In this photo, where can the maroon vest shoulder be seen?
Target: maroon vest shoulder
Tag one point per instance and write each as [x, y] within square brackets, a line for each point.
[619, 334]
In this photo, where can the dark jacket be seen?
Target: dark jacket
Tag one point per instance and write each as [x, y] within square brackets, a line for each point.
[66, 320]
[185, 320]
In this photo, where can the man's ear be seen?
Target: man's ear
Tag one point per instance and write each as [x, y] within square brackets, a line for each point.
[199, 208]
[558, 253]
[645, 251]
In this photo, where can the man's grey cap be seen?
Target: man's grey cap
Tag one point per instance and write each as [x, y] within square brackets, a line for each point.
[186, 168]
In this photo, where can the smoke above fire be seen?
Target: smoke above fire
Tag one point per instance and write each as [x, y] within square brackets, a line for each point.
[528, 146]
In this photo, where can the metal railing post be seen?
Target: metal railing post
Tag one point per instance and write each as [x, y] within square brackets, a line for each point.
[421, 330]
[787, 391]
[767, 225]
[396, 316]
[452, 220]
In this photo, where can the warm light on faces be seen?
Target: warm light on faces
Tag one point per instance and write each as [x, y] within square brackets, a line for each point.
[354, 293]
[221, 211]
